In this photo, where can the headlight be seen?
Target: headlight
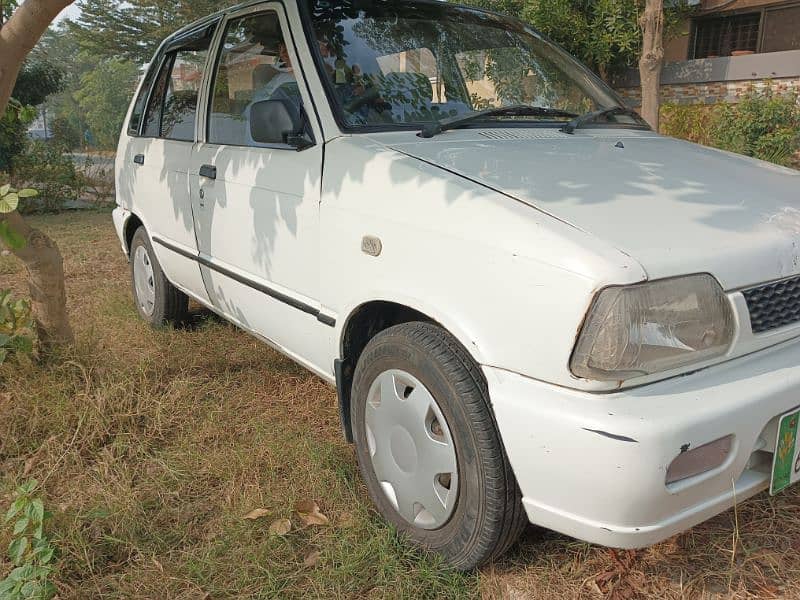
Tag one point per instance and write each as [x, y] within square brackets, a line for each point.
[652, 327]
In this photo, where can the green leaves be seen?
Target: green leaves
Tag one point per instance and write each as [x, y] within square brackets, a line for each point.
[10, 237]
[16, 336]
[29, 551]
[9, 197]
[9, 203]
[17, 549]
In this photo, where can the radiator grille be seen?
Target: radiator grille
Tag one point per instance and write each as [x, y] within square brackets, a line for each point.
[774, 305]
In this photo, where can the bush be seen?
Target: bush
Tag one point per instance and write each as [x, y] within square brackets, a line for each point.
[763, 125]
[692, 122]
[14, 132]
[48, 168]
[30, 550]
[66, 133]
[16, 326]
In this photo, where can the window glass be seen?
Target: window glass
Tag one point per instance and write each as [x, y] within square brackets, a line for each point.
[138, 107]
[173, 105]
[394, 64]
[180, 105]
[722, 36]
[254, 65]
[782, 29]
[152, 122]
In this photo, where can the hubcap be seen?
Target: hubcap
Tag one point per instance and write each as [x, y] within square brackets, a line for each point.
[143, 281]
[411, 449]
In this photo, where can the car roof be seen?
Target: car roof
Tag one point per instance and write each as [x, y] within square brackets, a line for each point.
[220, 13]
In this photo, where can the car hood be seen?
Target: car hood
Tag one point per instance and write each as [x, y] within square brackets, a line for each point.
[675, 207]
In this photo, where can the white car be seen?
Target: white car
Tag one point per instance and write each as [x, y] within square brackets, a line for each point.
[533, 307]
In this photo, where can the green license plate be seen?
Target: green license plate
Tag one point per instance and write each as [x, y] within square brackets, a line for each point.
[786, 462]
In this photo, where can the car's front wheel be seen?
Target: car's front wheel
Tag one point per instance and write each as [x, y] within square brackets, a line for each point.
[157, 300]
[428, 446]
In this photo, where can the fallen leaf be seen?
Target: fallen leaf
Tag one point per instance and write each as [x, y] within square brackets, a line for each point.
[309, 512]
[256, 514]
[311, 558]
[280, 527]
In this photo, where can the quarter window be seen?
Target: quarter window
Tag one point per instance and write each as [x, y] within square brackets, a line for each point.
[138, 108]
[254, 65]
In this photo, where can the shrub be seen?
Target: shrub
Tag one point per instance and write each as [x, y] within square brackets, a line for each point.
[50, 169]
[66, 133]
[30, 551]
[14, 132]
[692, 122]
[16, 326]
[763, 125]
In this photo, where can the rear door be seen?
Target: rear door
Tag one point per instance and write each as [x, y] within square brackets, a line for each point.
[256, 205]
[162, 155]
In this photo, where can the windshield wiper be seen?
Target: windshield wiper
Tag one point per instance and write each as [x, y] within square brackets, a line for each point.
[579, 122]
[517, 110]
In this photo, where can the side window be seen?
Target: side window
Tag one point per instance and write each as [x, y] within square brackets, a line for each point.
[138, 108]
[254, 65]
[152, 121]
[173, 104]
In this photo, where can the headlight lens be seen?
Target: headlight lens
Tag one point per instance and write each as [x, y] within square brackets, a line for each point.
[647, 328]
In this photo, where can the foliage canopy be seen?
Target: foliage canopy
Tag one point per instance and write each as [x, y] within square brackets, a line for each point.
[604, 34]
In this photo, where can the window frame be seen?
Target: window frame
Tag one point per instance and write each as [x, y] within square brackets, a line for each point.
[762, 11]
[307, 23]
[767, 10]
[309, 107]
[144, 92]
[166, 54]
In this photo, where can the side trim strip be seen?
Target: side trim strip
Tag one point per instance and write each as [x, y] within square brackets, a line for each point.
[272, 293]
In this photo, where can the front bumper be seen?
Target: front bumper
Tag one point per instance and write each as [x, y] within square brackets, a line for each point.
[593, 466]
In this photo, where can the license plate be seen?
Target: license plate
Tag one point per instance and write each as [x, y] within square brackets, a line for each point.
[786, 462]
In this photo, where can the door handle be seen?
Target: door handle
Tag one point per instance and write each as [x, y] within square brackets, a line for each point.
[139, 159]
[208, 171]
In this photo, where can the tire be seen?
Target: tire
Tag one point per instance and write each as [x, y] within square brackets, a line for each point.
[157, 300]
[486, 515]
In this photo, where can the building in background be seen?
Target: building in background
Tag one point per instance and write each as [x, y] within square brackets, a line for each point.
[40, 128]
[726, 48]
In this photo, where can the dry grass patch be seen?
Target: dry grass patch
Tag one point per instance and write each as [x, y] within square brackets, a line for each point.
[153, 447]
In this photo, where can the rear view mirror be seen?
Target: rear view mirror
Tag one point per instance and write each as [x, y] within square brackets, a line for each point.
[277, 121]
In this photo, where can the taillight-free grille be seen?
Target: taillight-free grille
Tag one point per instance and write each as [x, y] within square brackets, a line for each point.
[774, 305]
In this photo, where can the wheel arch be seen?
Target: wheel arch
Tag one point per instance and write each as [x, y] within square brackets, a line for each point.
[362, 324]
[129, 228]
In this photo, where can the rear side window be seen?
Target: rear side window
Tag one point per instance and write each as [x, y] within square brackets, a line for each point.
[172, 111]
[141, 100]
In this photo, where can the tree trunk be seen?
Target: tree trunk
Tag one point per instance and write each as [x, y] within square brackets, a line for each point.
[652, 24]
[45, 266]
[40, 255]
[18, 37]
[602, 70]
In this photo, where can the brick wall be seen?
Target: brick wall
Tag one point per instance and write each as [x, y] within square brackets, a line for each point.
[711, 93]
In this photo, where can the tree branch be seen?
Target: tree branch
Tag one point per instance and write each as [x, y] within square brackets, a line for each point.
[18, 37]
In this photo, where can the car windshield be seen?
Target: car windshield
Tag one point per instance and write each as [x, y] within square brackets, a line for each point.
[396, 64]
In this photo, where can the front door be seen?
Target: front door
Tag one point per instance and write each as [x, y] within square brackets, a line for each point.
[256, 205]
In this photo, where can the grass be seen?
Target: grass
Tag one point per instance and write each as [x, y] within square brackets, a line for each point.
[152, 446]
